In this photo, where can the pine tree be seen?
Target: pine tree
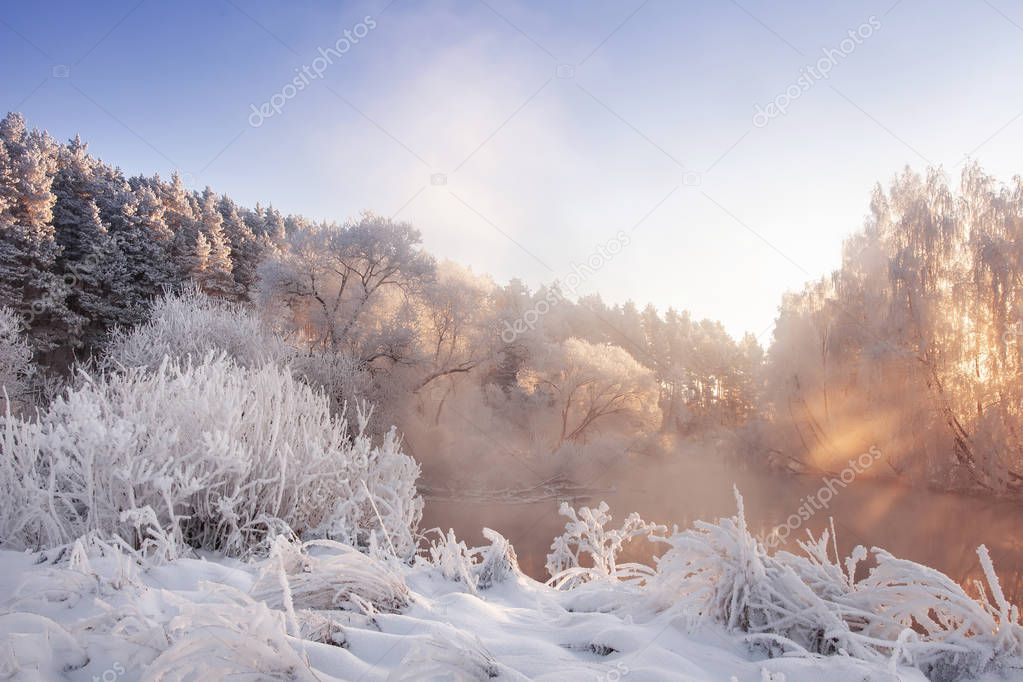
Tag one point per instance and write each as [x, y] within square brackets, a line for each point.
[246, 249]
[273, 226]
[215, 276]
[181, 220]
[200, 261]
[28, 247]
[146, 242]
[151, 216]
[91, 262]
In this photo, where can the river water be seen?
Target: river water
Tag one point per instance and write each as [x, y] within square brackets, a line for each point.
[941, 530]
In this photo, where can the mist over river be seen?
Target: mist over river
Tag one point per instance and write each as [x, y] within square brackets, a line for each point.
[937, 529]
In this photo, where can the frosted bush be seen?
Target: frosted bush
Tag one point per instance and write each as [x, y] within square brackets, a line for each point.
[16, 368]
[327, 575]
[245, 641]
[211, 455]
[80, 572]
[953, 634]
[449, 654]
[586, 536]
[719, 571]
[342, 376]
[190, 324]
[813, 604]
[34, 647]
[453, 559]
[378, 504]
[479, 568]
[498, 561]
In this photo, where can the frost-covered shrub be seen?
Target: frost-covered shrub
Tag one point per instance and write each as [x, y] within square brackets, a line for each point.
[586, 536]
[244, 640]
[341, 376]
[720, 572]
[33, 647]
[952, 634]
[453, 559]
[211, 455]
[449, 654]
[16, 368]
[190, 324]
[498, 561]
[479, 568]
[82, 571]
[327, 575]
[812, 603]
[377, 504]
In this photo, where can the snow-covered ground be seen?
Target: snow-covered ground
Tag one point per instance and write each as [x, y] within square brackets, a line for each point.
[196, 619]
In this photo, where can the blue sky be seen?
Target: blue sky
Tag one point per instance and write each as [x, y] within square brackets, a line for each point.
[551, 126]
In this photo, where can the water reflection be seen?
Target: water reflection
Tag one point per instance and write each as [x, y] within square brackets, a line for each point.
[941, 530]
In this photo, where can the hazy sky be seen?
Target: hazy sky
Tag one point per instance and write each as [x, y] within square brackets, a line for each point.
[521, 136]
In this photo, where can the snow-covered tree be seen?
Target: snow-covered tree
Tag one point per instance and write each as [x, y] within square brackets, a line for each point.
[455, 332]
[330, 279]
[180, 215]
[200, 257]
[914, 340]
[591, 384]
[90, 261]
[146, 242]
[246, 249]
[28, 246]
[212, 267]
